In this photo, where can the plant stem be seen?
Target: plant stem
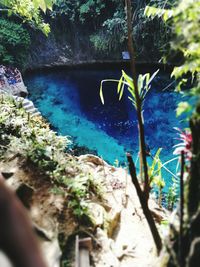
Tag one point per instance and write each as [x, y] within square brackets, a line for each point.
[144, 204]
[143, 161]
[181, 210]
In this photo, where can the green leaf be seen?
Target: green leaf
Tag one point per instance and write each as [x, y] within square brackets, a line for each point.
[182, 108]
[140, 83]
[153, 76]
[119, 84]
[49, 4]
[133, 101]
[153, 12]
[121, 92]
[36, 3]
[153, 170]
[42, 5]
[128, 79]
[6, 3]
[147, 79]
[10, 12]
[101, 93]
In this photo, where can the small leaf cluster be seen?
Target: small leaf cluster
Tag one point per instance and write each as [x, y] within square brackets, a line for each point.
[184, 19]
[112, 34]
[172, 194]
[79, 193]
[155, 175]
[144, 85]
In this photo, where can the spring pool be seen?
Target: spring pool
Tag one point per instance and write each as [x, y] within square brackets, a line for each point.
[69, 99]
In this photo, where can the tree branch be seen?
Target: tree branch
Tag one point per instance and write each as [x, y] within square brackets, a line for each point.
[181, 210]
[144, 204]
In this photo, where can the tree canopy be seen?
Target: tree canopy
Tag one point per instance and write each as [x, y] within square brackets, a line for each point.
[29, 11]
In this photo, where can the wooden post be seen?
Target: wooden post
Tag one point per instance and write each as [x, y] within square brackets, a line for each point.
[83, 247]
[77, 251]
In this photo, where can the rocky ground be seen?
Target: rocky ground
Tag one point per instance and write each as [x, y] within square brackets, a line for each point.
[120, 234]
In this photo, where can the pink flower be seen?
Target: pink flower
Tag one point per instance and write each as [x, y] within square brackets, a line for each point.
[185, 145]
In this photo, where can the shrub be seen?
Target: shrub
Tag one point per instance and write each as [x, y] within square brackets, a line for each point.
[14, 43]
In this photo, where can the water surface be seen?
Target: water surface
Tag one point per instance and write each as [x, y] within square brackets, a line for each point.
[70, 100]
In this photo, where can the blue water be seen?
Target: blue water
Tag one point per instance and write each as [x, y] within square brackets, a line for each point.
[70, 100]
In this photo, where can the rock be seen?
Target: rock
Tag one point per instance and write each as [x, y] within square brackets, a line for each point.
[19, 89]
[125, 239]
[7, 175]
[113, 221]
[16, 87]
[97, 214]
[105, 256]
[52, 252]
[24, 193]
[46, 210]
[93, 159]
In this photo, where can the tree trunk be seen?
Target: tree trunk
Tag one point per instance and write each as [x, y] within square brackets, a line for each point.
[143, 160]
[194, 180]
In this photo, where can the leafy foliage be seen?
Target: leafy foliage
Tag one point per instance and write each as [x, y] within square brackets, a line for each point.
[155, 168]
[104, 19]
[41, 149]
[112, 34]
[172, 194]
[14, 43]
[144, 85]
[29, 11]
[185, 20]
[155, 175]
[183, 107]
[81, 10]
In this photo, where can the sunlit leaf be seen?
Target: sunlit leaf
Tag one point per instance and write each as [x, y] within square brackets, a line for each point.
[49, 4]
[101, 93]
[155, 160]
[153, 76]
[43, 6]
[140, 83]
[132, 101]
[153, 12]
[121, 91]
[128, 79]
[182, 108]
[120, 84]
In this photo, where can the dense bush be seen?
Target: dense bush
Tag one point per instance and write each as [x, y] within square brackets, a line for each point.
[14, 43]
[82, 10]
[150, 37]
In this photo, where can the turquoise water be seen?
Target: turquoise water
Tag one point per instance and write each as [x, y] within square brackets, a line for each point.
[70, 100]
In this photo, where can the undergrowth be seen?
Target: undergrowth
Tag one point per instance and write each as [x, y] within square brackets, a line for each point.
[32, 139]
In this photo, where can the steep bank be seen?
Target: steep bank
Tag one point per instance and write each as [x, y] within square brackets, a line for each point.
[68, 195]
[69, 43]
